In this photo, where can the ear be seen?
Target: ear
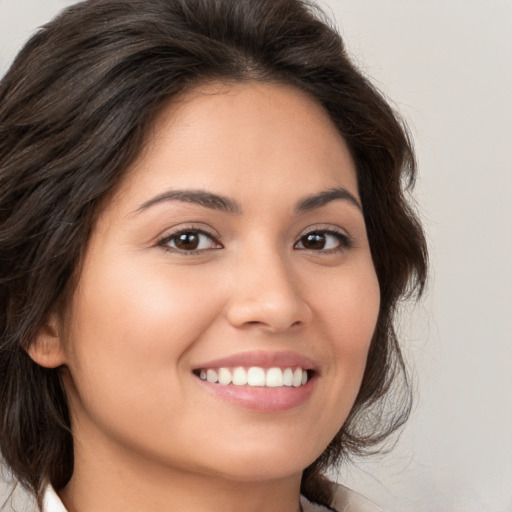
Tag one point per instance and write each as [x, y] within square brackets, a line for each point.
[47, 348]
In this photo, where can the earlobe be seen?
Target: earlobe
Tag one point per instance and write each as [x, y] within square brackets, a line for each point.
[47, 349]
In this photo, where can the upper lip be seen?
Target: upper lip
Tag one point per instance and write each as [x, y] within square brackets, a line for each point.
[282, 359]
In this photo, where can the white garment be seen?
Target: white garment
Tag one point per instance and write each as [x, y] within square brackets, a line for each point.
[345, 500]
[51, 502]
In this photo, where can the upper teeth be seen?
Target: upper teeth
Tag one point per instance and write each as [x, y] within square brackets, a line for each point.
[256, 376]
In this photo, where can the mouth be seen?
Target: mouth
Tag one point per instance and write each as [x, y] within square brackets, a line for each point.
[256, 376]
[260, 381]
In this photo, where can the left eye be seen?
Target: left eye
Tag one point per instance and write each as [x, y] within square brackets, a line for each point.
[190, 241]
[322, 241]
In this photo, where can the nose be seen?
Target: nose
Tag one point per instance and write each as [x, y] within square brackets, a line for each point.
[267, 294]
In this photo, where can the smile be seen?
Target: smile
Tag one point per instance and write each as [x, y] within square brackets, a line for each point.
[255, 376]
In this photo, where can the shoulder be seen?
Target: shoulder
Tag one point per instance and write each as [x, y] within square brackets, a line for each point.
[345, 500]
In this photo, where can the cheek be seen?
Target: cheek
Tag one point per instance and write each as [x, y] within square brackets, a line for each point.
[147, 308]
[349, 306]
[128, 324]
[127, 349]
[349, 310]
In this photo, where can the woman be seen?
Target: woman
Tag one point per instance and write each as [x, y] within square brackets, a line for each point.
[204, 238]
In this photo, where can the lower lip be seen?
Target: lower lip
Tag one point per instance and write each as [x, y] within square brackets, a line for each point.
[262, 399]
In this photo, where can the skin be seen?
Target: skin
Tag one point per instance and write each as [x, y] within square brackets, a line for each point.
[148, 435]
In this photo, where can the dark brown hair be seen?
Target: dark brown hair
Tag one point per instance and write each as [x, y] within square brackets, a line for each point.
[75, 108]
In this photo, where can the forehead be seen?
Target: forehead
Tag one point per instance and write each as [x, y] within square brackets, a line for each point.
[236, 136]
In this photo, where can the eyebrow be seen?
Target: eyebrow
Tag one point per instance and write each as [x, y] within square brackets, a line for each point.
[200, 197]
[225, 204]
[325, 197]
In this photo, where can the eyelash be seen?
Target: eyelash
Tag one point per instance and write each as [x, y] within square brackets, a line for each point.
[342, 238]
[164, 241]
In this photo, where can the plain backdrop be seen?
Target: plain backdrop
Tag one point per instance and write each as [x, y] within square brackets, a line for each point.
[447, 67]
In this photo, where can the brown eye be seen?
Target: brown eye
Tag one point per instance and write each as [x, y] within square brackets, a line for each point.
[189, 241]
[323, 241]
[314, 241]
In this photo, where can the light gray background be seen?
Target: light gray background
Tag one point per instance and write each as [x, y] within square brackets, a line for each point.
[447, 65]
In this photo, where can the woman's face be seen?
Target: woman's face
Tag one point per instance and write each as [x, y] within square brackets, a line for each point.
[236, 241]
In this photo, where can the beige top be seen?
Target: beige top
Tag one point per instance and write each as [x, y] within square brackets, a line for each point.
[345, 500]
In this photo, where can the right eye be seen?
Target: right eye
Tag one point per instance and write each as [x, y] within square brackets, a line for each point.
[189, 241]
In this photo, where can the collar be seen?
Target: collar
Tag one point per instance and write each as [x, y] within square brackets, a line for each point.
[51, 502]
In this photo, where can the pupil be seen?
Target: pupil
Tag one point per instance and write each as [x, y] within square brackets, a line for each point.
[187, 241]
[315, 241]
